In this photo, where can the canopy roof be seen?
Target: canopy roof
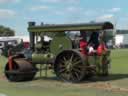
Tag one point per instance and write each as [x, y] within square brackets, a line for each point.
[69, 27]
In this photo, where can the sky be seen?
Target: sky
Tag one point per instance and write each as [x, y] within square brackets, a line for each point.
[17, 13]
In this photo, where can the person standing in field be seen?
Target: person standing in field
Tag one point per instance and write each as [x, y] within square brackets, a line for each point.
[101, 51]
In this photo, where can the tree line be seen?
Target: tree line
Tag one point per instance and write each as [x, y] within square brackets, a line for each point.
[6, 31]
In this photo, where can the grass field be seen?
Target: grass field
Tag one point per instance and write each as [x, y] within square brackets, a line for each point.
[114, 85]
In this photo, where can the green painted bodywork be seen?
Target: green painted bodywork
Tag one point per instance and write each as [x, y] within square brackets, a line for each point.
[60, 43]
[40, 29]
[70, 27]
[40, 58]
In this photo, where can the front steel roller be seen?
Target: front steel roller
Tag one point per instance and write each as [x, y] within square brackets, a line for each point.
[70, 66]
[22, 70]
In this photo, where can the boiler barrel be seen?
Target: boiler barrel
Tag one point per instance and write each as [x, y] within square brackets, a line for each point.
[42, 58]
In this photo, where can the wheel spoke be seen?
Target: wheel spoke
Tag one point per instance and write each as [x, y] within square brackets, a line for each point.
[64, 59]
[77, 75]
[77, 62]
[75, 59]
[62, 70]
[77, 70]
[80, 66]
[71, 59]
[72, 77]
[62, 66]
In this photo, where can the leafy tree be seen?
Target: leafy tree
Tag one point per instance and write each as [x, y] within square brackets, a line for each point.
[6, 31]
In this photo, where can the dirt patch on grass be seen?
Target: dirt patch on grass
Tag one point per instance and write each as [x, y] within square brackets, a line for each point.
[105, 86]
[2, 77]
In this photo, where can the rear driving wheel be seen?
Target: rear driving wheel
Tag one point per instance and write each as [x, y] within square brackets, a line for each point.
[70, 66]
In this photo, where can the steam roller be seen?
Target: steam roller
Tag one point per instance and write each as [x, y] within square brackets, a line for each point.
[63, 48]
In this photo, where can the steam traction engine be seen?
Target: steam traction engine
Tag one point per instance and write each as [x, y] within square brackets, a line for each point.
[55, 45]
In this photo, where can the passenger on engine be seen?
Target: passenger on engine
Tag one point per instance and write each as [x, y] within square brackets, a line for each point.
[94, 40]
[83, 46]
[93, 43]
[101, 50]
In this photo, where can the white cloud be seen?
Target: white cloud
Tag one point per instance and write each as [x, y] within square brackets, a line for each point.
[6, 13]
[8, 1]
[58, 1]
[105, 17]
[73, 9]
[59, 13]
[51, 1]
[115, 9]
[37, 8]
[90, 12]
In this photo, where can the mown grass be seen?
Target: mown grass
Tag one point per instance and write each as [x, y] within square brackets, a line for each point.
[52, 87]
[3, 61]
[120, 61]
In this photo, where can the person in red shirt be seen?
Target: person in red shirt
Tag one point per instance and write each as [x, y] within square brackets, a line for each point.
[83, 46]
[101, 50]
